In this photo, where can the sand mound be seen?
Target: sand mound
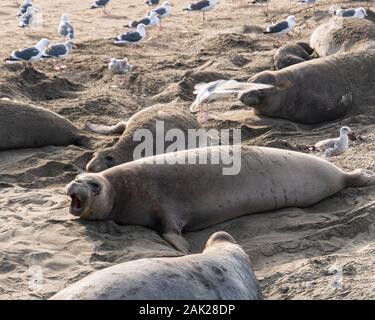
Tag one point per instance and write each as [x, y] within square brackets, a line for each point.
[35, 85]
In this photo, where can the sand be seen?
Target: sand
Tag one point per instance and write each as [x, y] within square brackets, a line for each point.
[322, 252]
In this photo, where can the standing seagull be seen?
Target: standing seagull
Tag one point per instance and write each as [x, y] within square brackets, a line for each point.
[203, 5]
[163, 11]
[29, 55]
[24, 6]
[65, 28]
[359, 13]
[151, 21]
[100, 4]
[57, 52]
[132, 37]
[27, 18]
[282, 27]
[336, 146]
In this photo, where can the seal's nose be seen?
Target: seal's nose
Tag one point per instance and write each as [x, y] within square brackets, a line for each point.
[70, 188]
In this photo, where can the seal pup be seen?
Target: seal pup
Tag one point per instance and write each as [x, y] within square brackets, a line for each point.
[166, 194]
[171, 116]
[222, 271]
[292, 53]
[336, 146]
[25, 126]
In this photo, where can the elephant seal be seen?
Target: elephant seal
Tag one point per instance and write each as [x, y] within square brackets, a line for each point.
[26, 126]
[315, 91]
[342, 35]
[292, 53]
[221, 272]
[171, 116]
[172, 198]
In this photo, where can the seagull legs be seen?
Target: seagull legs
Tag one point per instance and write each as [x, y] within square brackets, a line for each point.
[204, 17]
[203, 113]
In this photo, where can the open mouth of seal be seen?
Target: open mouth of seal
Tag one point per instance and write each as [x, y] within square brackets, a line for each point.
[76, 205]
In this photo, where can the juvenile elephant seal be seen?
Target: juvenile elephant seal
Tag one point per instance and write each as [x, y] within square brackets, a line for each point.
[172, 118]
[292, 53]
[172, 198]
[315, 91]
[25, 126]
[343, 35]
[221, 272]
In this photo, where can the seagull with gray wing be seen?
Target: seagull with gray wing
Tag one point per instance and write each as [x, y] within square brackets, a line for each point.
[206, 92]
[336, 146]
[29, 55]
[65, 28]
[100, 4]
[282, 27]
[203, 6]
[24, 6]
[58, 52]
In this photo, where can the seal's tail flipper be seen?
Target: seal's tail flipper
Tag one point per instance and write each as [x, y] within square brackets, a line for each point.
[360, 178]
[107, 130]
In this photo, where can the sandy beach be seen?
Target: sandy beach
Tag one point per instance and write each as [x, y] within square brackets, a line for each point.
[325, 251]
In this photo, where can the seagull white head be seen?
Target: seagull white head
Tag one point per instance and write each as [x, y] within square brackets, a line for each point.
[42, 44]
[65, 17]
[28, 1]
[291, 20]
[344, 131]
[141, 27]
[30, 10]
[153, 14]
[363, 11]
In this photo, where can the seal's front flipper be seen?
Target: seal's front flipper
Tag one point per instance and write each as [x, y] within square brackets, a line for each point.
[360, 178]
[177, 240]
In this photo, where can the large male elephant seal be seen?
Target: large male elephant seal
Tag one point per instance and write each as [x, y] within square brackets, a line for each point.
[171, 116]
[315, 91]
[340, 35]
[26, 126]
[172, 198]
[292, 53]
[221, 272]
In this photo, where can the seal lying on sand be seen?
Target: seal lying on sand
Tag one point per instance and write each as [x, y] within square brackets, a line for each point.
[172, 198]
[221, 272]
[292, 53]
[172, 118]
[343, 35]
[25, 126]
[315, 91]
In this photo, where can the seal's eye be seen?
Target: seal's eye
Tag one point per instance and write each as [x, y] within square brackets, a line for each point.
[94, 186]
[109, 159]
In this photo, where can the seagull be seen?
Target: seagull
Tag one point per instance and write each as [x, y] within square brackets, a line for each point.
[150, 21]
[203, 5]
[306, 1]
[359, 13]
[206, 92]
[119, 66]
[24, 6]
[29, 55]
[163, 11]
[282, 27]
[100, 4]
[58, 51]
[27, 18]
[336, 146]
[132, 37]
[65, 28]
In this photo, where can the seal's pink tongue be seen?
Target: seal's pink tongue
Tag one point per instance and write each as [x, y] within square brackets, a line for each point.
[76, 203]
